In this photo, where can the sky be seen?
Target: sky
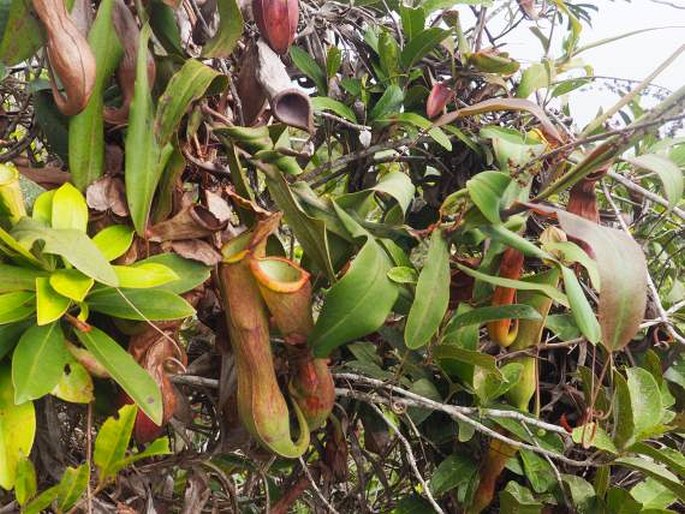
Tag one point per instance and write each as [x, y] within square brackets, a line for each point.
[631, 58]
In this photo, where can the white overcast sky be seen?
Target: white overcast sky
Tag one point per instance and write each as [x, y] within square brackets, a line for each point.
[631, 58]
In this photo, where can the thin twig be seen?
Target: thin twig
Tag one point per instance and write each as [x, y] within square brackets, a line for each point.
[410, 458]
[632, 186]
[314, 485]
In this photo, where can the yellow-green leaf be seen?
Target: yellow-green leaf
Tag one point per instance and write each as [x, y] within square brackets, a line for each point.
[50, 305]
[71, 283]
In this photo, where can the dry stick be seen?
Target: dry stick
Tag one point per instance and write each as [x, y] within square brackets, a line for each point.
[452, 410]
[632, 186]
[597, 122]
[410, 458]
[372, 398]
[318, 492]
[663, 315]
[89, 453]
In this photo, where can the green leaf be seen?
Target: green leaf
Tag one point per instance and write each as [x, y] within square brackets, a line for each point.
[69, 209]
[123, 368]
[50, 305]
[71, 284]
[645, 400]
[310, 232]
[583, 496]
[307, 65]
[623, 298]
[139, 304]
[156, 448]
[569, 252]
[619, 501]
[323, 103]
[668, 172]
[437, 135]
[425, 388]
[72, 486]
[75, 385]
[413, 20]
[591, 435]
[144, 157]
[490, 386]
[333, 61]
[165, 27]
[10, 335]
[516, 499]
[652, 495]
[20, 21]
[389, 103]
[537, 470]
[546, 289]
[87, 128]
[656, 471]
[15, 278]
[17, 429]
[112, 441]
[580, 307]
[536, 76]
[432, 294]
[474, 358]
[483, 315]
[403, 275]
[487, 190]
[420, 45]
[454, 471]
[144, 275]
[356, 305]
[16, 306]
[72, 245]
[674, 459]
[114, 241]
[388, 52]
[38, 362]
[26, 485]
[187, 85]
[229, 31]
[191, 273]
[41, 502]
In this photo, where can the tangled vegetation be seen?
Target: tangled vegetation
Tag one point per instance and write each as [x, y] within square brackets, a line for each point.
[322, 256]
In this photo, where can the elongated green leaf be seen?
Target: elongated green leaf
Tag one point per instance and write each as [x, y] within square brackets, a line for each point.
[491, 313]
[114, 241]
[188, 84]
[69, 209]
[486, 190]
[72, 486]
[546, 289]
[580, 307]
[389, 103]
[38, 362]
[144, 158]
[310, 232]
[668, 172]
[154, 449]
[474, 358]
[72, 245]
[87, 129]
[452, 472]
[624, 288]
[26, 485]
[645, 400]
[15, 278]
[16, 306]
[123, 368]
[17, 429]
[356, 305]
[323, 103]
[674, 459]
[41, 502]
[14, 49]
[112, 442]
[420, 45]
[307, 65]
[75, 385]
[191, 273]
[145, 275]
[658, 472]
[71, 283]
[50, 305]
[229, 31]
[432, 294]
[11, 248]
[139, 304]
